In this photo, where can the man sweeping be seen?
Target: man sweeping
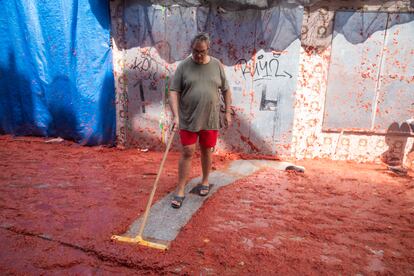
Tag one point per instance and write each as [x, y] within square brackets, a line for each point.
[195, 104]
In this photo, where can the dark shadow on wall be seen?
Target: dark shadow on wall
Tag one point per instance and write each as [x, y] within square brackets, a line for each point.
[16, 102]
[396, 139]
[238, 34]
[350, 19]
[138, 23]
[236, 5]
[235, 34]
[357, 27]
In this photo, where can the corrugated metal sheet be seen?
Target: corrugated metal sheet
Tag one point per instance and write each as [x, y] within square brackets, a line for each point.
[234, 4]
[371, 77]
[395, 100]
[353, 73]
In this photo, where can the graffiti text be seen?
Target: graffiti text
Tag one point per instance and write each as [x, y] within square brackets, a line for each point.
[261, 68]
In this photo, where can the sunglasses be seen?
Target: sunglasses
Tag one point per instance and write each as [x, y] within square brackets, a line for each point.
[200, 52]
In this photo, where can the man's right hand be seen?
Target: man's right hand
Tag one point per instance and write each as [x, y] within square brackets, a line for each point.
[175, 124]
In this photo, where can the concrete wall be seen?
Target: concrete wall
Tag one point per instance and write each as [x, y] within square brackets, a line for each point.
[277, 62]
[259, 49]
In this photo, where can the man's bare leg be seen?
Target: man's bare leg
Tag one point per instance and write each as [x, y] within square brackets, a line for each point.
[206, 157]
[184, 167]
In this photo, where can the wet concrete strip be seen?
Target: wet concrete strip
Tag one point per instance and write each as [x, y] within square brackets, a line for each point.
[164, 222]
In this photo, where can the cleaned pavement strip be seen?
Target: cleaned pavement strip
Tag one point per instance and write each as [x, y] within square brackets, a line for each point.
[164, 222]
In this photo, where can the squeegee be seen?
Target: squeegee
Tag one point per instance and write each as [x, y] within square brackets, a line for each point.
[139, 239]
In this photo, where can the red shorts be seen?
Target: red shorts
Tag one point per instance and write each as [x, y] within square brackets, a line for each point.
[207, 138]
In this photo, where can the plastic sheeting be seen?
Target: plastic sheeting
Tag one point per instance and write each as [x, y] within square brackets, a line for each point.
[56, 70]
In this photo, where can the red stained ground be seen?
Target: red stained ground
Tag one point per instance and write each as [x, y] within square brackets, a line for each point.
[60, 204]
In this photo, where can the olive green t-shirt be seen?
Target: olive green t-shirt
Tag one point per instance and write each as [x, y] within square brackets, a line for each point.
[198, 86]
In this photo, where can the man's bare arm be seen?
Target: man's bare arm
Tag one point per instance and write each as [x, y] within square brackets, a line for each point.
[173, 99]
[227, 104]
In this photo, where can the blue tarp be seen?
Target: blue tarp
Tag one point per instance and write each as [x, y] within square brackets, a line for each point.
[56, 70]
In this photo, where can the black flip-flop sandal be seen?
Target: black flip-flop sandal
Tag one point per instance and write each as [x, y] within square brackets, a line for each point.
[204, 188]
[178, 199]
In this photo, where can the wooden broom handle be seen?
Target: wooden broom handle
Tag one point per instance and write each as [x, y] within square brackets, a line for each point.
[154, 187]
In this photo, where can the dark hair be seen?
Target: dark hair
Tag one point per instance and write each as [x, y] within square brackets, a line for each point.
[201, 37]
